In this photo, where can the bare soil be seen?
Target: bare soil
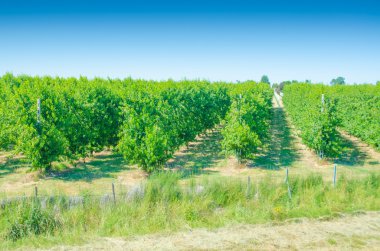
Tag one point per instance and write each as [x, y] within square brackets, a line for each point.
[352, 232]
[363, 147]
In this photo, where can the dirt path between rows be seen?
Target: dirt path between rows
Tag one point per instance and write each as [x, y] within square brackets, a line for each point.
[362, 146]
[361, 231]
[300, 151]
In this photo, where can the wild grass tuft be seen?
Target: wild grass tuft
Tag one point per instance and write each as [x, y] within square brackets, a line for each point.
[32, 220]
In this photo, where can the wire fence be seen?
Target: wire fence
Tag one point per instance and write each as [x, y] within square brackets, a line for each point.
[137, 192]
[70, 201]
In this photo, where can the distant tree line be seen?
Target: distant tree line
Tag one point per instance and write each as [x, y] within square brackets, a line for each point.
[338, 81]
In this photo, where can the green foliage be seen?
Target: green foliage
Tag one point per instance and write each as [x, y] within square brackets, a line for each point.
[42, 148]
[240, 140]
[355, 108]
[157, 123]
[77, 117]
[246, 123]
[359, 111]
[265, 79]
[146, 121]
[281, 86]
[338, 81]
[41, 141]
[316, 121]
[143, 141]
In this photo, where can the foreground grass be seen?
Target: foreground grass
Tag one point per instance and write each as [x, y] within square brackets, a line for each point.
[163, 204]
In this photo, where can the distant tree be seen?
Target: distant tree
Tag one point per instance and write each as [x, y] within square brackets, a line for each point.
[282, 84]
[378, 83]
[338, 81]
[265, 79]
[308, 81]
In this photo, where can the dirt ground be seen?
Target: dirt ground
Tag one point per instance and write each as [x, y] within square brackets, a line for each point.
[353, 232]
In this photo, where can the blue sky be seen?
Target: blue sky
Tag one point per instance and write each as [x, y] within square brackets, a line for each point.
[215, 40]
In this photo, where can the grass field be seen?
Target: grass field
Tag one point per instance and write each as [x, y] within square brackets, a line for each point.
[165, 204]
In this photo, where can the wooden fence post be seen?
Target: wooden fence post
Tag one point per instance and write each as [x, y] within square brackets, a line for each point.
[113, 192]
[35, 192]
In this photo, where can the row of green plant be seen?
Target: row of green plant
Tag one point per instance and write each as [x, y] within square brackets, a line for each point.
[359, 111]
[355, 108]
[77, 117]
[164, 205]
[146, 121]
[156, 125]
[246, 125]
[315, 117]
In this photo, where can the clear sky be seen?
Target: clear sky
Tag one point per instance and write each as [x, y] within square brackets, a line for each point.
[216, 40]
